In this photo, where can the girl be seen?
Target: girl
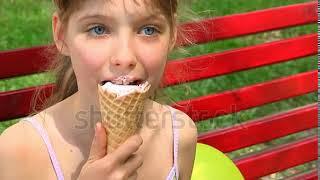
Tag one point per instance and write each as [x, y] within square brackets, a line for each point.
[101, 40]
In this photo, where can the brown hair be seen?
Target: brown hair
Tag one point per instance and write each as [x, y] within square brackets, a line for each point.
[61, 68]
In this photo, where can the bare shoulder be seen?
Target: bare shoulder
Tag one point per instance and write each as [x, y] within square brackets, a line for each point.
[17, 152]
[187, 130]
[186, 127]
[15, 139]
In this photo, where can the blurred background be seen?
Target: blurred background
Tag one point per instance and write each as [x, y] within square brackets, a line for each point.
[27, 23]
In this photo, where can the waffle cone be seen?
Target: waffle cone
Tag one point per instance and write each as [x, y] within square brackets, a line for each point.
[121, 117]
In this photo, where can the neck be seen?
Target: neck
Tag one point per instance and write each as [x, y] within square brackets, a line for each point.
[85, 113]
[75, 118]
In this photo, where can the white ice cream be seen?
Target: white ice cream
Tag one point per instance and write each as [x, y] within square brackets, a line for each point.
[123, 90]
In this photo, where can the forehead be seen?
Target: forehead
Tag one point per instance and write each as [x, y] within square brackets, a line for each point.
[128, 8]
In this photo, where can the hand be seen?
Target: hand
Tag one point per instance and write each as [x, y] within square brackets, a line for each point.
[121, 164]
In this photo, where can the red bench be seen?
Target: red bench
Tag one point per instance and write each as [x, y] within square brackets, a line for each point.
[15, 104]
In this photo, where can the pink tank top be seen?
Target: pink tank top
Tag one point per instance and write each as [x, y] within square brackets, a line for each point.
[173, 174]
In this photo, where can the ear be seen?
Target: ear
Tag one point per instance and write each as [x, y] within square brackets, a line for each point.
[58, 35]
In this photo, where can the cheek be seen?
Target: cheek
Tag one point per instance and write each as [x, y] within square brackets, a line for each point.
[86, 59]
[154, 59]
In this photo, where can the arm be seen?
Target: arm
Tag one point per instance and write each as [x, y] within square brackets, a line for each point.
[187, 145]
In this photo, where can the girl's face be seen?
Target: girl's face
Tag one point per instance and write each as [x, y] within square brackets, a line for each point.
[107, 39]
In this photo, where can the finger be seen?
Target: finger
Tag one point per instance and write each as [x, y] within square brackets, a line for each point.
[98, 147]
[134, 162]
[124, 151]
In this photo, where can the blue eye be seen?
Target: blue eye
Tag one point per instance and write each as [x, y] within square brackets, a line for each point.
[149, 30]
[97, 30]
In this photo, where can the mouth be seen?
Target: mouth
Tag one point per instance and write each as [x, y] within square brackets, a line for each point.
[125, 86]
[133, 83]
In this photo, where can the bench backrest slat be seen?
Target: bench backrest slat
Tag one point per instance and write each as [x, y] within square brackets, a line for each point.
[16, 104]
[279, 158]
[264, 129]
[211, 65]
[22, 61]
[246, 23]
[232, 101]
[309, 175]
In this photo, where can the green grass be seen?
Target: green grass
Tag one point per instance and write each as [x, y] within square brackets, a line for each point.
[25, 23]
[28, 23]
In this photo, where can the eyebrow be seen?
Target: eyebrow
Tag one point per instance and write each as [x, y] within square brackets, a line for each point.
[112, 19]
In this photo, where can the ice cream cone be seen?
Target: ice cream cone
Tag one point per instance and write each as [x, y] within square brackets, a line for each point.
[121, 115]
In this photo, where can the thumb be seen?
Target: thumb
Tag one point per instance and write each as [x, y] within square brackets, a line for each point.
[99, 144]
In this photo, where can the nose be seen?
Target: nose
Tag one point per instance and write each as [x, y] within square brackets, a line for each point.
[124, 63]
[124, 58]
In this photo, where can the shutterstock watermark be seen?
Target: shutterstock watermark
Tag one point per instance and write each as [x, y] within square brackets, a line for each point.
[151, 119]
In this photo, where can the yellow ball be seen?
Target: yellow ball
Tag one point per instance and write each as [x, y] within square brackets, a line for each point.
[211, 164]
